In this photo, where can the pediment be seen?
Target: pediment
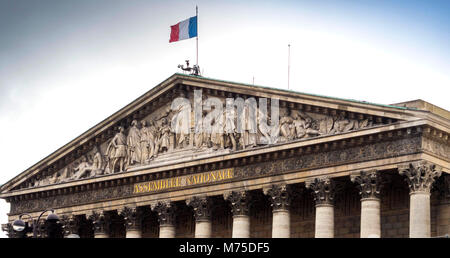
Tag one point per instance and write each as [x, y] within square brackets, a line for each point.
[106, 150]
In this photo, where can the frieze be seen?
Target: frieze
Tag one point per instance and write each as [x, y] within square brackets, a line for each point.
[168, 134]
[377, 150]
[436, 147]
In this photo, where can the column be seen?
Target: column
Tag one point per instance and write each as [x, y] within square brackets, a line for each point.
[323, 191]
[202, 214]
[443, 208]
[369, 189]
[166, 217]
[239, 207]
[420, 176]
[281, 221]
[100, 224]
[70, 225]
[133, 221]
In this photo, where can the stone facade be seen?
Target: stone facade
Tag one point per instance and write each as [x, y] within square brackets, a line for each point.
[330, 168]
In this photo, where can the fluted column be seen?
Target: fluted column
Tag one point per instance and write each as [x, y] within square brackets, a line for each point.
[239, 207]
[280, 201]
[202, 214]
[100, 224]
[323, 191]
[133, 221]
[166, 217]
[70, 225]
[420, 177]
[369, 189]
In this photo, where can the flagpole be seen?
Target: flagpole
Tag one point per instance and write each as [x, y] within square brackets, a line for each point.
[196, 14]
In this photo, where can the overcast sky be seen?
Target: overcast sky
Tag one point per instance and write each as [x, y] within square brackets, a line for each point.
[67, 65]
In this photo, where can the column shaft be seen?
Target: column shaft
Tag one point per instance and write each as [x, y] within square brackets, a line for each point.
[203, 229]
[100, 235]
[419, 216]
[370, 218]
[281, 227]
[241, 226]
[324, 221]
[133, 233]
[166, 231]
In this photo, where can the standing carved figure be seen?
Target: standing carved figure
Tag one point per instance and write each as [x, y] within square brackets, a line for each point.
[217, 132]
[97, 163]
[133, 143]
[248, 118]
[152, 139]
[181, 119]
[164, 136]
[145, 142]
[117, 151]
[230, 127]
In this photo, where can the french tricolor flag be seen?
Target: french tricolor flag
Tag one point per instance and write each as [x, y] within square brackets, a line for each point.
[184, 30]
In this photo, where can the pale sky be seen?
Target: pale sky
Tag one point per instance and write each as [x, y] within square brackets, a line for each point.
[67, 65]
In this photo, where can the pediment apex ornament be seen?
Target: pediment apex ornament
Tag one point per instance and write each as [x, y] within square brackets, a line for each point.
[420, 175]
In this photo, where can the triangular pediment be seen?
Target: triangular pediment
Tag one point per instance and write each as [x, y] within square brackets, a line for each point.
[104, 151]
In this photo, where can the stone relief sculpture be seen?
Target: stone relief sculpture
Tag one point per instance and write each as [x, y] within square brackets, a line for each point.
[154, 137]
[133, 144]
[117, 151]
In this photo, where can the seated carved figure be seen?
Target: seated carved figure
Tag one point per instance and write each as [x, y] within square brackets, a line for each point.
[83, 169]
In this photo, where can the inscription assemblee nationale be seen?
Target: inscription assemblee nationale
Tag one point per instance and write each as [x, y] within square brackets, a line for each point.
[182, 181]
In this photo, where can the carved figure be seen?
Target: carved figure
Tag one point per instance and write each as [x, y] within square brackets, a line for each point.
[83, 169]
[302, 124]
[287, 128]
[152, 134]
[117, 151]
[163, 136]
[217, 135]
[133, 144]
[145, 143]
[230, 127]
[180, 120]
[97, 162]
[249, 125]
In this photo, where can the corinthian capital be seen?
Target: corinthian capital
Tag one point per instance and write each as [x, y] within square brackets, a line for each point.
[201, 206]
[132, 217]
[99, 221]
[369, 183]
[420, 176]
[279, 196]
[70, 224]
[166, 212]
[239, 201]
[323, 189]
